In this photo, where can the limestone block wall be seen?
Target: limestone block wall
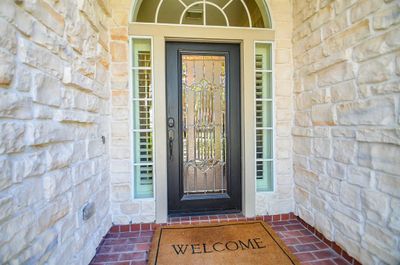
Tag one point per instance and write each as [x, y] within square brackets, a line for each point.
[281, 200]
[54, 108]
[124, 207]
[346, 138]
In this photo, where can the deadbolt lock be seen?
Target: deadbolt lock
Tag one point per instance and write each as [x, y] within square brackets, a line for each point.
[171, 122]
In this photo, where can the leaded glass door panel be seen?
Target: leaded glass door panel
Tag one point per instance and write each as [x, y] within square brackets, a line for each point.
[203, 110]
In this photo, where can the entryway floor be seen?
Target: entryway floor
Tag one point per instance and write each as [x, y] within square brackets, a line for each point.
[130, 244]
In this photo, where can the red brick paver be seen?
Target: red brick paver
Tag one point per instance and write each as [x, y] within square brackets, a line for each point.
[130, 244]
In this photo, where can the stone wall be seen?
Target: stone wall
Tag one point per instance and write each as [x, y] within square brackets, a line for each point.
[54, 108]
[124, 207]
[281, 200]
[63, 74]
[346, 138]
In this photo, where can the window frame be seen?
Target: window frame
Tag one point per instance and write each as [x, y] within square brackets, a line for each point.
[132, 131]
[263, 9]
[273, 118]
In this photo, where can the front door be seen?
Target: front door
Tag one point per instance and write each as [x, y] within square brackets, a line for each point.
[203, 121]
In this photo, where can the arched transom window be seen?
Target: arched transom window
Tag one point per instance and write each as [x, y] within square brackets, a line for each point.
[228, 13]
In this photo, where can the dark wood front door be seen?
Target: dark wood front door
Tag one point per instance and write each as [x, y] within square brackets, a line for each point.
[203, 121]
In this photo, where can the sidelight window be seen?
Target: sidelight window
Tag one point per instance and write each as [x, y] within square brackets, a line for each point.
[142, 116]
[264, 106]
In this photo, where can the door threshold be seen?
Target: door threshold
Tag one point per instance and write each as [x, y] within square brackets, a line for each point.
[182, 214]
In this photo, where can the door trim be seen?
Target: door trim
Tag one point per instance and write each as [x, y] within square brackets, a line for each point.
[160, 143]
[159, 36]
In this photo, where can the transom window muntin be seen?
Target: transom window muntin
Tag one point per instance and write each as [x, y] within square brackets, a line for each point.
[227, 13]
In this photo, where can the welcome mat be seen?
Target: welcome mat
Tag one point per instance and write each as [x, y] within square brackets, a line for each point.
[222, 243]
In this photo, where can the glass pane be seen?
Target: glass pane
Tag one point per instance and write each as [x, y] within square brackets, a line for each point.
[235, 11]
[264, 173]
[263, 114]
[142, 87]
[263, 85]
[263, 56]
[143, 146]
[220, 3]
[194, 16]
[170, 12]
[237, 14]
[264, 144]
[255, 12]
[204, 124]
[147, 11]
[141, 52]
[215, 17]
[142, 114]
[142, 117]
[188, 2]
[143, 181]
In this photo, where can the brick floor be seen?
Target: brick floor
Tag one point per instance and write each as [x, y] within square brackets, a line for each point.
[129, 244]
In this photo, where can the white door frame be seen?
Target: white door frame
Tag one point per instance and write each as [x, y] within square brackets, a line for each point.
[160, 33]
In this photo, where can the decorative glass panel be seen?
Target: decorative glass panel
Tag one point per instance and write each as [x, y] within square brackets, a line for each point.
[264, 117]
[239, 13]
[204, 124]
[142, 108]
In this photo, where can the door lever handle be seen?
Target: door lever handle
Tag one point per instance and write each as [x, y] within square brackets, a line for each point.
[171, 137]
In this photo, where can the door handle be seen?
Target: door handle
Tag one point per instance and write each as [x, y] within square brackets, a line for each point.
[171, 137]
